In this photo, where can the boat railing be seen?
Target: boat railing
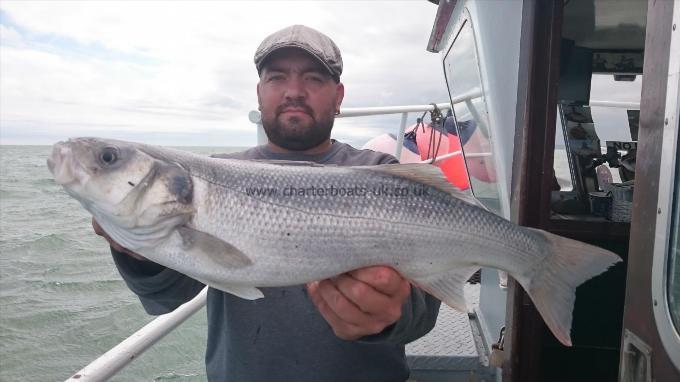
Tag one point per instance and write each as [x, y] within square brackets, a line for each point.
[616, 104]
[403, 110]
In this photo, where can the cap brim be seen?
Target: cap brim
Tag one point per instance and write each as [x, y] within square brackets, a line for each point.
[263, 60]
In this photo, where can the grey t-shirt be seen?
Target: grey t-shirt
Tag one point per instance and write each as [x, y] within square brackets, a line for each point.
[282, 337]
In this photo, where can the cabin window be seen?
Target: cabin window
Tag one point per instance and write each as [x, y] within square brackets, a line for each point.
[463, 79]
[595, 148]
[561, 163]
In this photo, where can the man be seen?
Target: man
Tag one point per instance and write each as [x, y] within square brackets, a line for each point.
[349, 328]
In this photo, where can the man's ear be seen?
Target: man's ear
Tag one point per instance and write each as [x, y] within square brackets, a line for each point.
[340, 95]
[259, 101]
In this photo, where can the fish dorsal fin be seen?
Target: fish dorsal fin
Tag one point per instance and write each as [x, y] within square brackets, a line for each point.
[426, 174]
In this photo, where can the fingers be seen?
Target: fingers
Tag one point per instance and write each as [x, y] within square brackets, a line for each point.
[365, 297]
[362, 302]
[98, 229]
[342, 328]
[383, 279]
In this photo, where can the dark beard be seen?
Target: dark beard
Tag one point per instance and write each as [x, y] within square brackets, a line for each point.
[295, 137]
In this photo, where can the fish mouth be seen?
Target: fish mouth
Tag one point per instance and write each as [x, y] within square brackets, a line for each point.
[63, 166]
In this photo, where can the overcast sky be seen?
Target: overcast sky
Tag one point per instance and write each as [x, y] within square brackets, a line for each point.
[181, 73]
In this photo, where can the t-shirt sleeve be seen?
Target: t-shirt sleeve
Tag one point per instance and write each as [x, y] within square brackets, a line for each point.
[388, 159]
[349, 156]
[159, 289]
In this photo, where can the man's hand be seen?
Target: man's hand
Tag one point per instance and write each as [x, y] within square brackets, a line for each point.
[361, 302]
[99, 231]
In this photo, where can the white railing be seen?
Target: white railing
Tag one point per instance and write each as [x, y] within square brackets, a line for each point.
[403, 110]
[111, 362]
[616, 104]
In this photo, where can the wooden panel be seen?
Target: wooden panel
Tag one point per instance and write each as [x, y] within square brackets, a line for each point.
[532, 174]
[638, 316]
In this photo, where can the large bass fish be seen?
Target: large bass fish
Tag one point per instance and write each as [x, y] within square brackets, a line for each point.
[237, 225]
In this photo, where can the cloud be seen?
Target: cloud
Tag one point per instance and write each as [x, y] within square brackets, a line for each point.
[158, 70]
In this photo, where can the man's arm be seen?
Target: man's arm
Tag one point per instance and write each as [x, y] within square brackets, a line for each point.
[159, 289]
[375, 304]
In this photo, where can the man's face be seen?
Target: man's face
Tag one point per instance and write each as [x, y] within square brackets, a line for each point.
[298, 99]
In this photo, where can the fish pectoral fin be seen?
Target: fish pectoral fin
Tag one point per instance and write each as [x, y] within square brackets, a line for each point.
[242, 291]
[209, 247]
[447, 286]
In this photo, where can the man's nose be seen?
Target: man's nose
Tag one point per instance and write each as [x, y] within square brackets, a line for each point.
[295, 88]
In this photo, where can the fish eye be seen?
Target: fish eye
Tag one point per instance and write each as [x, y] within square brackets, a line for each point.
[109, 155]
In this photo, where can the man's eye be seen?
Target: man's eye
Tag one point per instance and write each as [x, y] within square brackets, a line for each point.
[276, 78]
[315, 78]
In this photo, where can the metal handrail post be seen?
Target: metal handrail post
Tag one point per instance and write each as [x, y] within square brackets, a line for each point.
[400, 136]
[256, 117]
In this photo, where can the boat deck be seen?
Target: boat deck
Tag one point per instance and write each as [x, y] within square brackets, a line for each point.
[450, 351]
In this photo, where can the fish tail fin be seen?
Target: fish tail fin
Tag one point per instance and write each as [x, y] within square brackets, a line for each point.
[552, 288]
[447, 286]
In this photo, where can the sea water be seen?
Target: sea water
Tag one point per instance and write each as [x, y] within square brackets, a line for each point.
[62, 301]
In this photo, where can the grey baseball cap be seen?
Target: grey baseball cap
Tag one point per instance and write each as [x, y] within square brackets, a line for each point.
[310, 40]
